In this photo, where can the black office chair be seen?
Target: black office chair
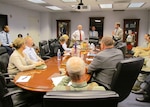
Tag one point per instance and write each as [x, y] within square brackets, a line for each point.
[122, 46]
[94, 40]
[7, 97]
[44, 49]
[4, 60]
[126, 75]
[88, 98]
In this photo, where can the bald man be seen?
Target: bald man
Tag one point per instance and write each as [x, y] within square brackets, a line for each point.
[78, 35]
[76, 74]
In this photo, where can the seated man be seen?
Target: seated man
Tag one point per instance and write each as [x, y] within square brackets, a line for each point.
[76, 74]
[5, 39]
[145, 90]
[143, 51]
[29, 50]
[104, 63]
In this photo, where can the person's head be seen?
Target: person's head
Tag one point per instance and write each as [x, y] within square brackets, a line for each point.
[19, 43]
[6, 28]
[93, 28]
[76, 68]
[28, 41]
[106, 42]
[147, 37]
[20, 35]
[66, 37]
[62, 40]
[117, 25]
[79, 27]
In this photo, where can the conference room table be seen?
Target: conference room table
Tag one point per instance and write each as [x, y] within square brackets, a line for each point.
[41, 79]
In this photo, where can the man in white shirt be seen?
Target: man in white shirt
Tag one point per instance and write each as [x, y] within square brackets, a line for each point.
[78, 35]
[29, 50]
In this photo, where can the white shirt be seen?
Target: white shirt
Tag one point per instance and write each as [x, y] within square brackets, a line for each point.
[31, 54]
[65, 47]
[76, 35]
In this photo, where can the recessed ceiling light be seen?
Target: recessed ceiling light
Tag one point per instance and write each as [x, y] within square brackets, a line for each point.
[69, 1]
[134, 5]
[53, 7]
[105, 5]
[37, 1]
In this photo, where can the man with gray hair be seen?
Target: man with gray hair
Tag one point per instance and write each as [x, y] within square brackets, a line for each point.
[104, 63]
[75, 67]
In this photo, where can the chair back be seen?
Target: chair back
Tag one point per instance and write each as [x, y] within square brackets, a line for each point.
[44, 49]
[77, 98]
[4, 102]
[54, 46]
[126, 75]
[4, 60]
[122, 46]
[94, 40]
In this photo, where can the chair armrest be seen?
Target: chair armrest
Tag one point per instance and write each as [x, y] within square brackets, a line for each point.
[12, 93]
[45, 57]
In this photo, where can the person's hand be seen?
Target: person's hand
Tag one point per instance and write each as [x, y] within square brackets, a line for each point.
[39, 63]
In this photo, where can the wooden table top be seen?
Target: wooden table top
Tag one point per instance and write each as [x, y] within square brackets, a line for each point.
[40, 80]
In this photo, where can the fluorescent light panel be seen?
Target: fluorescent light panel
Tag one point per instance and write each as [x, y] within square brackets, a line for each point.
[68, 1]
[53, 7]
[134, 5]
[37, 1]
[105, 5]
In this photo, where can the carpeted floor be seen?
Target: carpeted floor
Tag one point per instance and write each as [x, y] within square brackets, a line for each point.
[130, 101]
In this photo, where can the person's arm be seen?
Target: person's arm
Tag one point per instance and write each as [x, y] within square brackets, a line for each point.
[94, 65]
[64, 81]
[18, 63]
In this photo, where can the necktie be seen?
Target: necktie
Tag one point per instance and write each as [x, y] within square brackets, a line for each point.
[92, 33]
[80, 36]
[7, 40]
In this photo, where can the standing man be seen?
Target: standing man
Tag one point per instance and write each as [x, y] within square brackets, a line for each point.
[93, 32]
[5, 39]
[118, 32]
[78, 35]
[103, 66]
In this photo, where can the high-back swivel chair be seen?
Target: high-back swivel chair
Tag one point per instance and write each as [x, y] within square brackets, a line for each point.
[126, 75]
[44, 49]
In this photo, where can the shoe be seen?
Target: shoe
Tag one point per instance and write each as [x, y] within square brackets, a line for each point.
[145, 98]
[141, 91]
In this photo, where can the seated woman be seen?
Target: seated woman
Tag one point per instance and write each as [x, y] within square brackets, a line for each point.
[18, 60]
[64, 43]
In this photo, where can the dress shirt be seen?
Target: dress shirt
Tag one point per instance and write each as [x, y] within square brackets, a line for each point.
[76, 35]
[31, 54]
[63, 85]
[65, 47]
[3, 38]
[93, 34]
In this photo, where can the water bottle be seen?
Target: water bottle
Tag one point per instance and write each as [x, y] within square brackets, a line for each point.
[58, 55]
[92, 46]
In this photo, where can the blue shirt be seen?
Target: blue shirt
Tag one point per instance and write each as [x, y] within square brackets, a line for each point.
[3, 38]
[32, 54]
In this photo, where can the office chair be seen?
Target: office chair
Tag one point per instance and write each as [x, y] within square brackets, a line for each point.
[44, 49]
[4, 60]
[122, 46]
[54, 46]
[88, 98]
[94, 40]
[7, 97]
[126, 75]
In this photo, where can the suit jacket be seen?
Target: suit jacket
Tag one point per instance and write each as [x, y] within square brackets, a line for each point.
[118, 34]
[103, 66]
